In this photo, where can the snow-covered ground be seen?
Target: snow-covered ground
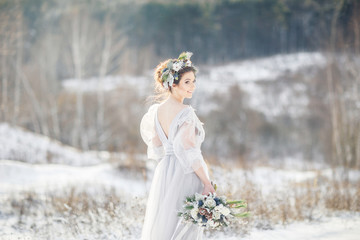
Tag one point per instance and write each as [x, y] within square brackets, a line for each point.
[18, 176]
[41, 178]
[35, 202]
[344, 226]
[47, 179]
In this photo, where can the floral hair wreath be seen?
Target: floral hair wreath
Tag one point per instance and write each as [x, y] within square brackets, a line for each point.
[171, 72]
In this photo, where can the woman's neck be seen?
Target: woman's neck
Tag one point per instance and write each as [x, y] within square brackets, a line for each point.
[176, 99]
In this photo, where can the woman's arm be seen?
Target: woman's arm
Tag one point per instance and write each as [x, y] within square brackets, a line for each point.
[207, 184]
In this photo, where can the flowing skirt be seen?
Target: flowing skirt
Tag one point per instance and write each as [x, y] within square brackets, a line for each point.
[167, 193]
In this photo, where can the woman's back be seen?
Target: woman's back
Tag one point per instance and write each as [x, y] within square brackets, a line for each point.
[167, 112]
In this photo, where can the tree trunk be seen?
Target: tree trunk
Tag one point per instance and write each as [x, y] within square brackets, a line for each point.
[105, 56]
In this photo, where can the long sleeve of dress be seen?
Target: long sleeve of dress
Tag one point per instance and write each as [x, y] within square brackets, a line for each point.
[155, 149]
[187, 143]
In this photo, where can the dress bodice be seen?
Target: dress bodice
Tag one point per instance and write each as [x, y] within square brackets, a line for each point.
[167, 141]
[186, 135]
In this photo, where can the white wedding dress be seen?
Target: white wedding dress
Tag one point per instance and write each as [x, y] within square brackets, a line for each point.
[174, 177]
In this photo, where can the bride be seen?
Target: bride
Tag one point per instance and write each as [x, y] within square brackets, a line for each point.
[173, 134]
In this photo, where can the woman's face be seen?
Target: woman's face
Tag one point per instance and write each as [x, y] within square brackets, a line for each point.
[186, 85]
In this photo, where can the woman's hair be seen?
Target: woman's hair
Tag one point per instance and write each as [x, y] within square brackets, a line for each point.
[162, 93]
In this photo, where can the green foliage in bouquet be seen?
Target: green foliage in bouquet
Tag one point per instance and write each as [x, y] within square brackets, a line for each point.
[211, 211]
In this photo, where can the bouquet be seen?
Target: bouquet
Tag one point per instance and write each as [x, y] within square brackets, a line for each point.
[211, 211]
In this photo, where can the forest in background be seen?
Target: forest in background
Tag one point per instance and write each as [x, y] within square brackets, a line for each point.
[140, 33]
[44, 42]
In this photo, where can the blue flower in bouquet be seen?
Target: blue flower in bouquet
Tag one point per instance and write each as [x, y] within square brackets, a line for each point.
[204, 220]
[217, 200]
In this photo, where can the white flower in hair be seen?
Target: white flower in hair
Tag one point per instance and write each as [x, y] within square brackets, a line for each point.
[188, 63]
[188, 55]
[177, 66]
[170, 79]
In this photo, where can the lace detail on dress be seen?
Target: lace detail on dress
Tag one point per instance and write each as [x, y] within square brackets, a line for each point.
[187, 141]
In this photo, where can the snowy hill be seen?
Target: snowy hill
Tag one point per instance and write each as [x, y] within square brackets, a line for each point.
[17, 143]
[265, 81]
[216, 78]
[251, 75]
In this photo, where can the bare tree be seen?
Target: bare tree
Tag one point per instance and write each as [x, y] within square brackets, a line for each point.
[332, 88]
[79, 27]
[105, 56]
[6, 38]
[112, 43]
[47, 54]
[10, 47]
[19, 58]
[343, 91]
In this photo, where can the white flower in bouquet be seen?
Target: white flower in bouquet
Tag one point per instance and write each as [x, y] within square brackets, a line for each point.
[219, 208]
[209, 202]
[211, 223]
[216, 215]
[194, 213]
[225, 211]
[177, 66]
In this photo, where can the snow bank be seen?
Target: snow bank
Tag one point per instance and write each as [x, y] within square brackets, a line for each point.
[344, 226]
[17, 143]
[266, 68]
[41, 178]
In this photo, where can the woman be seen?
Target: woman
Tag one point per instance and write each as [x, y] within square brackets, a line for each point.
[173, 134]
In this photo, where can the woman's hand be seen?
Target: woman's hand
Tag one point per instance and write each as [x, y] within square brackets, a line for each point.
[208, 188]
